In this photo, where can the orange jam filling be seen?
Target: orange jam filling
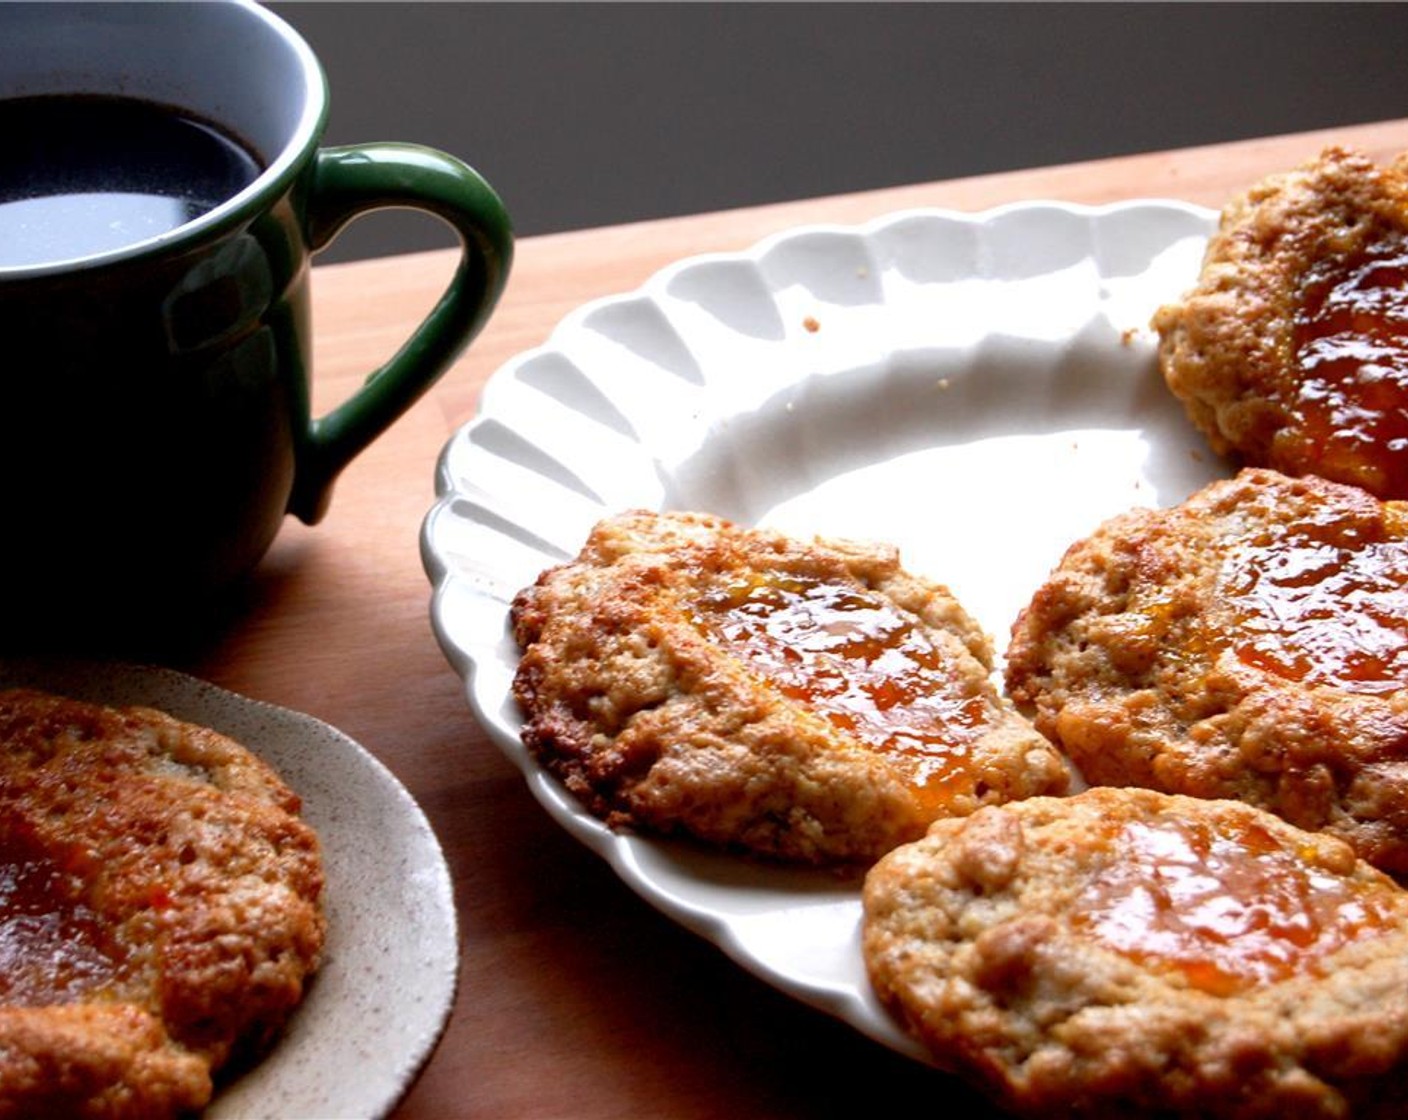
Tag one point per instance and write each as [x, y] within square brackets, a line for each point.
[1351, 347]
[53, 947]
[869, 668]
[1323, 603]
[1230, 909]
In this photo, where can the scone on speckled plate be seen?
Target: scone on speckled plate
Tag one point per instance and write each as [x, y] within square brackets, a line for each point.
[160, 909]
[1125, 953]
[1291, 351]
[1251, 642]
[804, 700]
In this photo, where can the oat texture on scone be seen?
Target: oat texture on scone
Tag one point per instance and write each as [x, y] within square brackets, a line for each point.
[1127, 953]
[1291, 351]
[1251, 642]
[160, 909]
[808, 701]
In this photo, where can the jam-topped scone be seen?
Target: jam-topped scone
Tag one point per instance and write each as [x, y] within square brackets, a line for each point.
[1292, 350]
[1124, 952]
[160, 909]
[808, 701]
[1250, 643]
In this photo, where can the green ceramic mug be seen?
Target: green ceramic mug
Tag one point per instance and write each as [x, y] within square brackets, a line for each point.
[155, 423]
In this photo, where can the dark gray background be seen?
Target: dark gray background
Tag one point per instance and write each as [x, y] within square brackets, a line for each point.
[582, 114]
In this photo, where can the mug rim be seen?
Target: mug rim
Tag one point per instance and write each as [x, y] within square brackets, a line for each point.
[272, 181]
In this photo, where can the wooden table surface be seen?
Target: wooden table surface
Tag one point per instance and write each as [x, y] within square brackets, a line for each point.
[576, 998]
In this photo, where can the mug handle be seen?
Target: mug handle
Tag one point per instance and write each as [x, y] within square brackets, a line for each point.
[353, 180]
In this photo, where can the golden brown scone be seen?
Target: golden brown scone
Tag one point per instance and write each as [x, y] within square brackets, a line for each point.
[1124, 953]
[159, 908]
[1292, 350]
[807, 701]
[1250, 643]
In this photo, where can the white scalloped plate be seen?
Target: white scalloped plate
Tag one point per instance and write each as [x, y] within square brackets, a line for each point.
[379, 1004]
[980, 390]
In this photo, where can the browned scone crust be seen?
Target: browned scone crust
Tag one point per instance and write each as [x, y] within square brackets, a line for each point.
[1143, 661]
[975, 938]
[653, 721]
[197, 890]
[1227, 348]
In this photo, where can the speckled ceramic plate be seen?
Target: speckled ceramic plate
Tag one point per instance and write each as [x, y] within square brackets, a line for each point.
[379, 1003]
[978, 389]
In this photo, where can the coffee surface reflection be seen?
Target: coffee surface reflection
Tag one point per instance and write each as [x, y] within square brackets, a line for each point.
[90, 174]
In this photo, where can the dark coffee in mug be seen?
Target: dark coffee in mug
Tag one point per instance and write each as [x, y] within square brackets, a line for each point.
[86, 174]
[155, 397]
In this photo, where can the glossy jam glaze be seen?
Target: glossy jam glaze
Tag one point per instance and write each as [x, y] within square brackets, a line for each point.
[53, 946]
[1323, 601]
[1350, 341]
[1226, 905]
[868, 667]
